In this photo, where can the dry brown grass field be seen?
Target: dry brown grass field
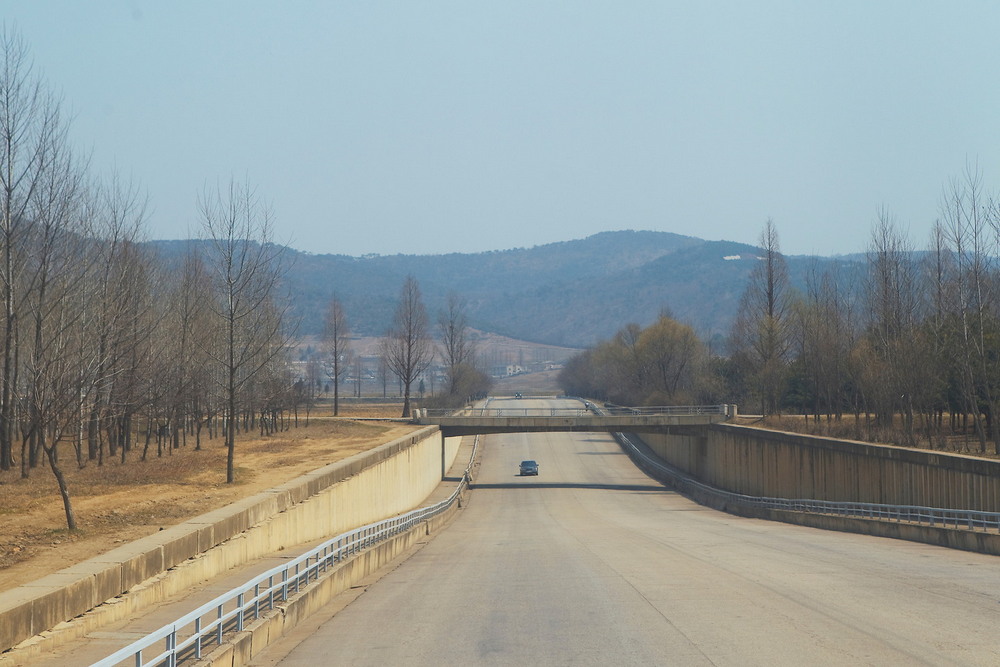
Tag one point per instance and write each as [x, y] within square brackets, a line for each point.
[117, 503]
[544, 383]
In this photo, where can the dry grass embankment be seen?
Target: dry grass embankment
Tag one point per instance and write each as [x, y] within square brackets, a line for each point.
[117, 503]
[864, 429]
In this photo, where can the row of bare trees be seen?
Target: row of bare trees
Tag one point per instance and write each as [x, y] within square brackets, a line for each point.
[409, 348]
[910, 344]
[907, 341]
[105, 346]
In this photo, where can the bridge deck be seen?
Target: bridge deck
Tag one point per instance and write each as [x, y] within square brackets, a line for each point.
[527, 420]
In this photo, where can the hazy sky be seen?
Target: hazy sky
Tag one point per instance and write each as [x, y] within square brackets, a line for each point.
[431, 127]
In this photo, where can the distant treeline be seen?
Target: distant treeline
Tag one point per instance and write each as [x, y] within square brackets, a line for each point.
[107, 352]
[909, 347]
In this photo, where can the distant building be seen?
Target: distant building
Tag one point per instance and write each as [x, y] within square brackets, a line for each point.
[507, 371]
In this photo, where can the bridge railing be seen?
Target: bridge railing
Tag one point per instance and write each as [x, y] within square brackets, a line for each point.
[668, 410]
[185, 638]
[930, 516]
[584, 411]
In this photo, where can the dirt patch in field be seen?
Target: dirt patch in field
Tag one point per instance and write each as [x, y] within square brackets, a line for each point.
[117, 503]
[542, 383]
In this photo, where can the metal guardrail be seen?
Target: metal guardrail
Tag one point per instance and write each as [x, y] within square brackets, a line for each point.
[930, 516]
[662, 411]
[188, 636]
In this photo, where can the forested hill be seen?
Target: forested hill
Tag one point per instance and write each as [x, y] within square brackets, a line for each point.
[569, 293]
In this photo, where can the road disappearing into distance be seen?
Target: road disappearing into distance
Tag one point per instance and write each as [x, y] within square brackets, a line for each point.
[592, 562]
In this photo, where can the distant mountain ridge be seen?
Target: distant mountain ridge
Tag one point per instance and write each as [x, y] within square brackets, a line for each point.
[572, 293]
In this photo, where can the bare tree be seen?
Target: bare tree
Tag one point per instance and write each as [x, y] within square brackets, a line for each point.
[312, 381]
[246, 268]
[673, 356]
[894, 307]
[52, 379]
[114, 287]
[620, 367]
[406, 347]
[967, 219]
[55, 264]
[457, 349]
[669, 354]
[135, 361]
[186, 331]
[383, 372]
[358, 372]
[337, 347]
[939, 324]
[31, 134]
[762, 330]
[826, 333]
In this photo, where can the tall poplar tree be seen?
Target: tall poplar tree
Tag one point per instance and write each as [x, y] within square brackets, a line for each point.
[761, 335]
[407, 347]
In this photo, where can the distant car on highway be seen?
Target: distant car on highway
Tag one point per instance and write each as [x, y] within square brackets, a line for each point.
[517, 395]
[529, 468]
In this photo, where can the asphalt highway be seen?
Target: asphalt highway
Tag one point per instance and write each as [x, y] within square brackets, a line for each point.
[591, 562]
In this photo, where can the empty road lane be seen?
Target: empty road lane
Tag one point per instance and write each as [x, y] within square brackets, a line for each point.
[592, 562]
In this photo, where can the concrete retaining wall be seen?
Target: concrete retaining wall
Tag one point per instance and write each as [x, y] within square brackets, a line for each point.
[760, 462]
[248, 644]
[952, 538]
[369, 486]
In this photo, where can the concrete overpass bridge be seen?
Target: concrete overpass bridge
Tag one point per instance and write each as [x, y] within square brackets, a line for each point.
[586, 418]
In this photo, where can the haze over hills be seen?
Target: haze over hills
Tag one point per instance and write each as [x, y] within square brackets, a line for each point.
[571, 293]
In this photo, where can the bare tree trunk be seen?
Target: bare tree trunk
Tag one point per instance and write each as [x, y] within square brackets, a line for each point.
[50, 453]
[336, 341]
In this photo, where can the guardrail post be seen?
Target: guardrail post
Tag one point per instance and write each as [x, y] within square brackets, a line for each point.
[172, 648]
[218, 631]
[197, 638]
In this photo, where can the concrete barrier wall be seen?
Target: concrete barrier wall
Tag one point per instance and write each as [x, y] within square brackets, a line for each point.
[369, 486]
[950, 537]
[760, 462]
[246, 645]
